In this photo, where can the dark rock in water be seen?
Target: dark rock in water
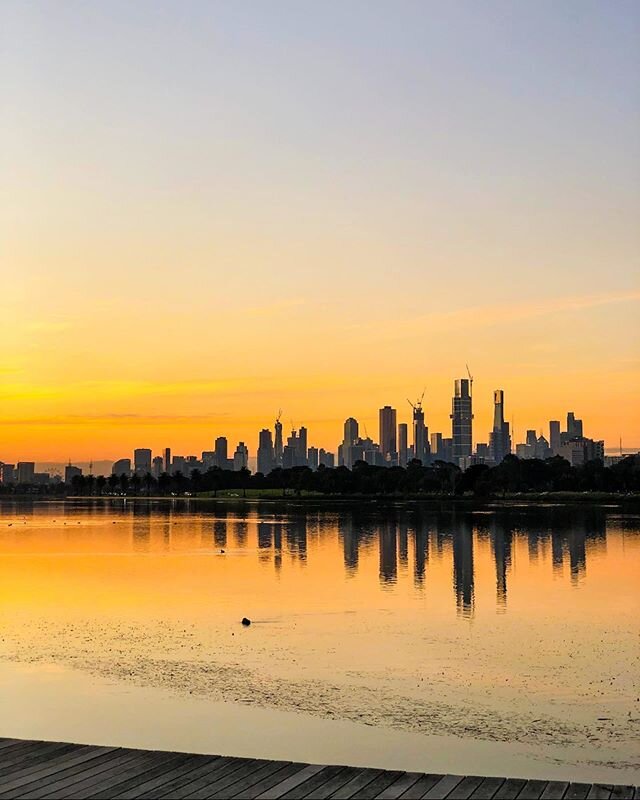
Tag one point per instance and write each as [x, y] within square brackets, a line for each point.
[246, 621]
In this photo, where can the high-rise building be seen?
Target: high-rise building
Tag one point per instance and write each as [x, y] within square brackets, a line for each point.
[157, 466]
[7, 473]
[462, 420]
[167, 460]
[574, 426]
[447, 451]
[326, 459]
[221, 449]
[436, 446]
[403, 444]
[266, 459]
[142, 461]
[179, 464]
[208, 459]
[554, 436]
[121, 467]
[278, 447]
[351, 436]
[420, 434]
[313, 458]
[26, 471]
[500, 437]
[241, 457]
[302, 446]
[388, 434]
[70, 472]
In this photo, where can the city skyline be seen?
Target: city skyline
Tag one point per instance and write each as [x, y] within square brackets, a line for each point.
[188, 247]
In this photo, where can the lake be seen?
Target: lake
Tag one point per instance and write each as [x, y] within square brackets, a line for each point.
[499, 641]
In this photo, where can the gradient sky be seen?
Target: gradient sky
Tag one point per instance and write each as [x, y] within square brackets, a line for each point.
[209, 211]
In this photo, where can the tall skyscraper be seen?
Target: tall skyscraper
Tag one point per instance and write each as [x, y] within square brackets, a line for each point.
[302, 446]
[142, 461]
[313, 458]
[221, 449]
[278, 446]
[388, 436]
[554, 436]
[157, 467]
[167, 460]
[351, 436]
[500, 437]
[241, 457]
[436, 445]
[25, 471]
[461, 420]
[121, 467]
[403, 443]
[266, 459]
[574, 426]
[420, 435]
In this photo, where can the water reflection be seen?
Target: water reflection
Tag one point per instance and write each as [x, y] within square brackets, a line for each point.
[406, 542]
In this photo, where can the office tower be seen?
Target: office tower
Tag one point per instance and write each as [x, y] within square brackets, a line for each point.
[142, 461]
[179, 464]
[403, 444]
[266, 461]
[447, 451]
[351, 435]
[220, 448]
[302, 446]
[388, 435]
[436, 446]
[500, 437]
[70, 472]
[157, 466]
[7, 473]
[278, 448]
[167, 460]
[420, 435]
[241, 457]
[26, 471]
[326, 459]
[554, 436]
[313, 458]
[462, 420]
[574, 426]
[483, 453]
[531, 438]
[121, 467]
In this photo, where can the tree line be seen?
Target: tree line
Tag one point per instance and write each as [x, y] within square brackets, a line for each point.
[512, 475]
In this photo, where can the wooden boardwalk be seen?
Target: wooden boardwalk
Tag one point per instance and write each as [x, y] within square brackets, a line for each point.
[59, 770]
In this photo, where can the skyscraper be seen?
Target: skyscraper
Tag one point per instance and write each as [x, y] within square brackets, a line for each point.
[302, 446]
[403, 443]
[351, 436]
[420, 435]
[241, 457]
[266, 461]
[436, 445]
[500, 437]
[554, 436]
[221, 449]
[278, 446]
[461, 417]
[158, 463]
[142, 461]
[574, 426]
[388, 436]
[167, 460]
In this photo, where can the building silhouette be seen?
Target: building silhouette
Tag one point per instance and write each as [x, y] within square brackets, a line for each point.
[241, 457]
[403, 444]
[266, 455]
[142, 461]
[500, 436]
[388, 434]
[420, 435]
[462, 422]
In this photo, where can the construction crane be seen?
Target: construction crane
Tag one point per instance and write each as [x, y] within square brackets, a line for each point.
[279, 415]
[470, 380]
[418, 404]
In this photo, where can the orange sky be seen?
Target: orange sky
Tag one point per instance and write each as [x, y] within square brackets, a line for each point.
[207, 218]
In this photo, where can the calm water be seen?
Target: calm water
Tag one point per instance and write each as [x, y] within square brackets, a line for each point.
[502, 642]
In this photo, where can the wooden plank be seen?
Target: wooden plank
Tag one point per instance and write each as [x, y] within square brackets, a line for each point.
[44, 777]
[270, 781]
[138, 772]
[400, 786]
[223, 786]
[93, 779]
[421, 787]
[621, 792]
[555, 790]
[329, 788]
[64, 783]
[600, 791]
[532, 790]
[243, 783]
[356, 784]
[23, 778]
[22, 750]
[379, 784]
[465, 788]
[280, 789]
[179, 782]
[156, 779]
[4, 743]
[35, 756]
[441, 789]
[324, 775]
[509, 789]
[487, 789]
[216, 773]
[577, 791]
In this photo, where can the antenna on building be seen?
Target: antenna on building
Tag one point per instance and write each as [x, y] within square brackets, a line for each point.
[470, 380]
[279, 415]
[91, 467]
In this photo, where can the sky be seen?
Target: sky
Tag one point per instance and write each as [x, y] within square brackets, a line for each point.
[213, 210]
